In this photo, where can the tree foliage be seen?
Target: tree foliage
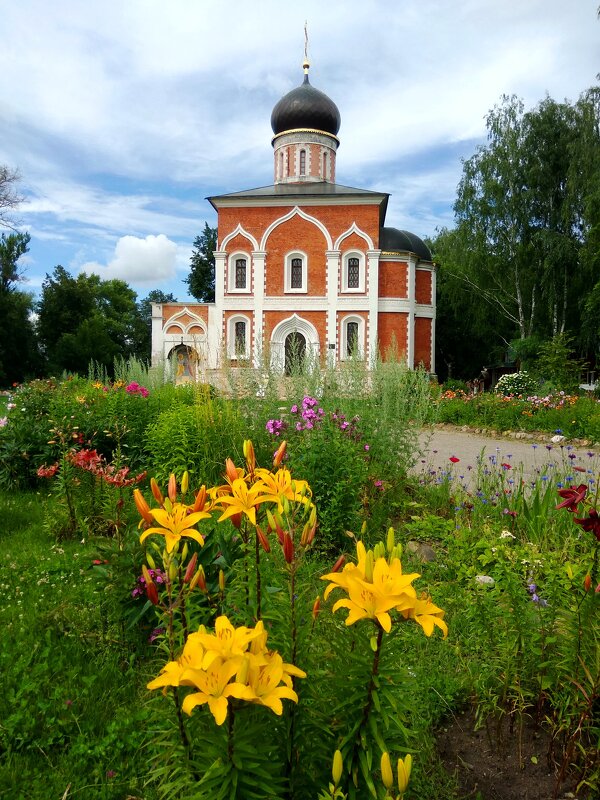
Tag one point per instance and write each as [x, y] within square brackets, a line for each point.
[201, 280]
[527, 223]
[86, 318]
[18, 350]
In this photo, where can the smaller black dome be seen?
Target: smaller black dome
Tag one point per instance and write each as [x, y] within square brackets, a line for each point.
[394, 240]
[306, 107]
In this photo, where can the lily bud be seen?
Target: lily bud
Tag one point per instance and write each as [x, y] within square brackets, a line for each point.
[184, 552]
[199, 579]
[316, 608]
[151, 561]
[338, 767]
[288, 548]
[249, 455]
[146, 575]
[379, 551]
[363, 528]
[142, 506]
[200, 501]
[152, 593]
[156, 491]
[263, 540]
[387, 776]
[271, 521]
[221, 580]
[185, 482]
[587, 583]
[172, 490]
[404, 768]
[280, 454]
[189, 572]
[339, 564]
[369, 567]
[230, 470]
[391, 540]
[236, 520]
[172, 570]
[280, 533]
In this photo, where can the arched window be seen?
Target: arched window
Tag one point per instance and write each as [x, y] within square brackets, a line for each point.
[295, 272]
[302, 162]
[351, 338]
[238, 279]
[353, 272]
[238, 337]
[240, 273]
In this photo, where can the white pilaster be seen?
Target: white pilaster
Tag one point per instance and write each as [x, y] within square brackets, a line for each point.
[258, 283]
[332, 284]
[372, 278]
[410, 334]
[215, 331]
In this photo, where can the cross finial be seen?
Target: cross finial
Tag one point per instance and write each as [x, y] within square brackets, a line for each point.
[306, 63]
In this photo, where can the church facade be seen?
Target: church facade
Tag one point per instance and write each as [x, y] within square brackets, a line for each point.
[304, 267]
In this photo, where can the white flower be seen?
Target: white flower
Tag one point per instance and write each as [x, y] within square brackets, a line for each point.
[485, 580]
[507, 535]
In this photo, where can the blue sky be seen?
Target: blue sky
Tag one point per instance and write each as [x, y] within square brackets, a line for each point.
[124, 115]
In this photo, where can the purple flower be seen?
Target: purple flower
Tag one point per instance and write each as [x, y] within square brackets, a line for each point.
[367, 447]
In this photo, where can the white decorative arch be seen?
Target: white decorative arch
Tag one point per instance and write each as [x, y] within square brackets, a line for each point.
[239, 230]
[177, 319]
[290, 215]
[353, 229]
[282, 330]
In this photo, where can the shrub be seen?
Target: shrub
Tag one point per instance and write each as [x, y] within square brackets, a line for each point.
[515, 383]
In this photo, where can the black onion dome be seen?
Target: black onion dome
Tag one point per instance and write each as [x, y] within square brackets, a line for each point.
[306, 107]
[394, 240]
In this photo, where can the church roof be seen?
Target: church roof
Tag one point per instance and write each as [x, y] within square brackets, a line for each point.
[305, 108]
[313, 190]
[393, 240]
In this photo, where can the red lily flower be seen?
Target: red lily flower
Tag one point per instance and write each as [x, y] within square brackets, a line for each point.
[572, 497]
[591, 523]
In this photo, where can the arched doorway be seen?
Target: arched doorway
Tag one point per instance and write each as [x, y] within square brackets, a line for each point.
[295, 353]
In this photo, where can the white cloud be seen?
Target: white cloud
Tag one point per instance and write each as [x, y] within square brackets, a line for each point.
[149, 262]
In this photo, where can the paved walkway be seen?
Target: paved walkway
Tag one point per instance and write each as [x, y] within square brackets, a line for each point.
[475, 452]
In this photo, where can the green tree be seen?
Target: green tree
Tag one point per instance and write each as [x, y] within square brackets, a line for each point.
[18, 345]
[86, 318]
[526, 236]
[201, 280]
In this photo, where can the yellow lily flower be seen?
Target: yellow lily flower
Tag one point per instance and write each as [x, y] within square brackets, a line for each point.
[176, 523]
[242, 499]
[265, 683]
[374, 588]
[228, 642]
[427, 615]
[280, 485]
[191, 657]
[215, 688]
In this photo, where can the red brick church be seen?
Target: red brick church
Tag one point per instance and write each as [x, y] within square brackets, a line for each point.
[304, 266]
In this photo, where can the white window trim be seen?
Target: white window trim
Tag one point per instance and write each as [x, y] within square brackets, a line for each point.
[231, 348]
[361, 272]
[344, 340]
[288, 273]
[231, 287]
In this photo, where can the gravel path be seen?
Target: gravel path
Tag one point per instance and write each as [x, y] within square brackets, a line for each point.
[534, 456]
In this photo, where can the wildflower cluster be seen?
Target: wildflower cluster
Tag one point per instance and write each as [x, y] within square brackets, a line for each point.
[90, 461]
[135, 388]
[140, 588]
[230, 663]
[308, 416]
